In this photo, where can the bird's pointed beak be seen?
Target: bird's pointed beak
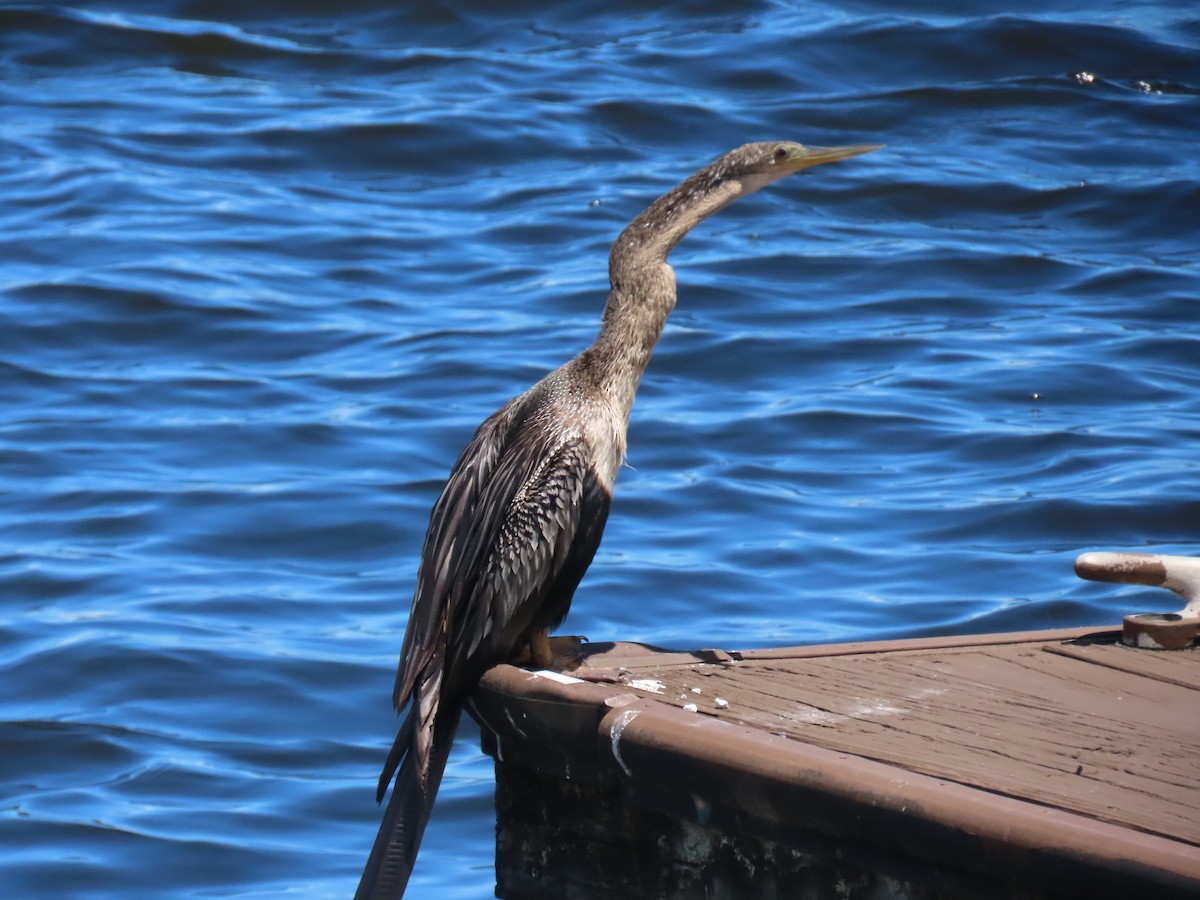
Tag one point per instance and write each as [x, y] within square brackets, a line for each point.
[800, 157]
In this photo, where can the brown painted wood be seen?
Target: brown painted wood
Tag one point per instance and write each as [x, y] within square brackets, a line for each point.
[1179, 667]
[1092, 728]
[1037, 765]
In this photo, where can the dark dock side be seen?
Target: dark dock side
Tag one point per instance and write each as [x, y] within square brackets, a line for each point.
[1037, 764]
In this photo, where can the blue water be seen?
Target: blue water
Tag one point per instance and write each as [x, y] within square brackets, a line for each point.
[264, 267]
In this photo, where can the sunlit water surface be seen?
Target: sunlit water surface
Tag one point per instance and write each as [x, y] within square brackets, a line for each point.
[264, 267]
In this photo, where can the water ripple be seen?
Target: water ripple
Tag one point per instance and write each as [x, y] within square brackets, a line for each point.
[265, 269]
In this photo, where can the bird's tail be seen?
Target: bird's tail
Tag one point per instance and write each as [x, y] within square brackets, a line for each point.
[395, 851]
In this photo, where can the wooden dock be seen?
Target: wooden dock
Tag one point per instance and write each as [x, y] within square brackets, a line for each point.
[1037, 764]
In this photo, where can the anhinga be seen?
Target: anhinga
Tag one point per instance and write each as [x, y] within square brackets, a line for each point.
[521, 515]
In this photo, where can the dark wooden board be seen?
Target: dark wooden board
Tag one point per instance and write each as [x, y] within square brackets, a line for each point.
[1088, 727]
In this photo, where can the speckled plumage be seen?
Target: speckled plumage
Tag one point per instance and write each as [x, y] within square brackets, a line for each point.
[521, 515]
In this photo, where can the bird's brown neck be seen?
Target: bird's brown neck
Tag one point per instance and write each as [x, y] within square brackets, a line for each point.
[642, 291]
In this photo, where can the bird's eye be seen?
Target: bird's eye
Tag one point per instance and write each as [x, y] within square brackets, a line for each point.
[780, 153]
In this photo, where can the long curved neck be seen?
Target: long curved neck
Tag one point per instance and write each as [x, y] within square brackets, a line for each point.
[642, 291]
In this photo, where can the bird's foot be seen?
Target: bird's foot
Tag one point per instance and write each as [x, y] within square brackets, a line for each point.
[569, 657]
[562, 652]
[566, 651]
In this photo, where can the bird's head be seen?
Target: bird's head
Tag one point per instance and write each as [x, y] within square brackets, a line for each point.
[739, 172]
[757, 165]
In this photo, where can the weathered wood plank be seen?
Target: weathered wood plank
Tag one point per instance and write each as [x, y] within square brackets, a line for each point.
[1181, 667]
[1047, 765]
[1053, 728]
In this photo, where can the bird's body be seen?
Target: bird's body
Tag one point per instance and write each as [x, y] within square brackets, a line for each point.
[521, 515]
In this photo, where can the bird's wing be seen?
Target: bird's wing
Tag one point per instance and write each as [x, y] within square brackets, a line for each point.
[518, 522]
[545, 542]
[509, 538]
[448, 555]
